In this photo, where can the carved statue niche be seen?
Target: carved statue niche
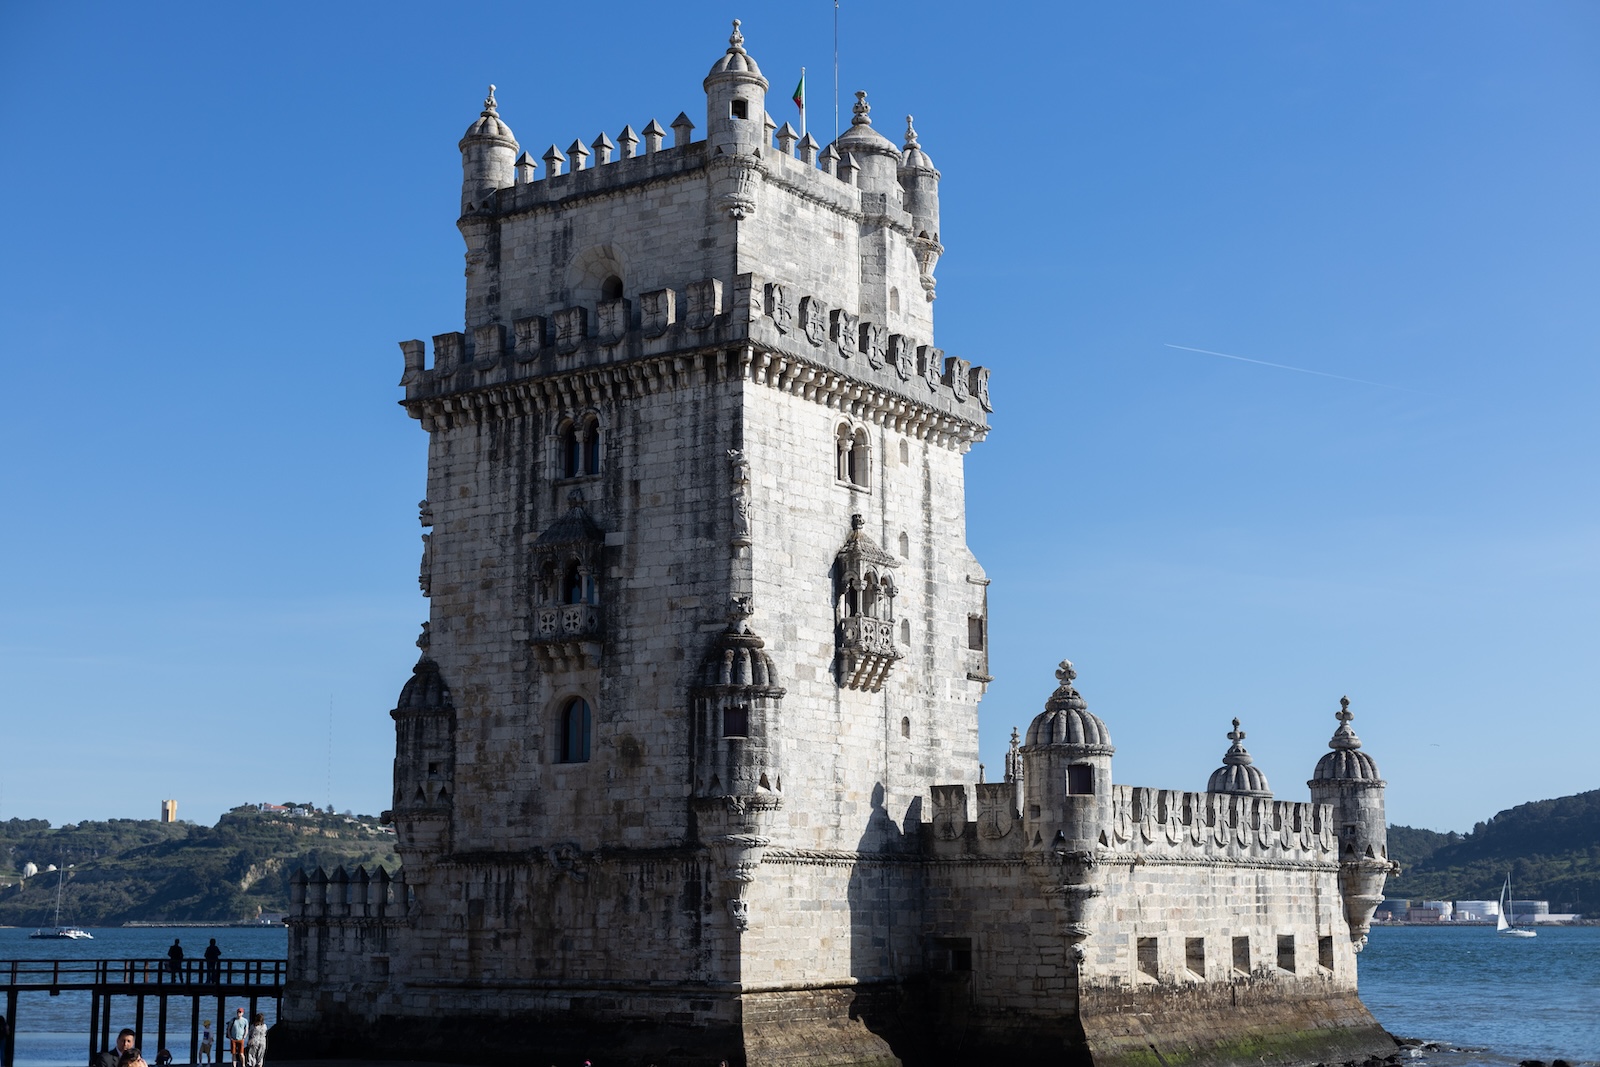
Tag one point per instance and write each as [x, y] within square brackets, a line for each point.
[864, 592]
[740, 496]
[566, 593]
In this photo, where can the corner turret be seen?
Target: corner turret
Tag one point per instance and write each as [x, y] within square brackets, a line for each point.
[488, 157]
[875, 155]
[919, 183]
[736, 101]
[1066, 780]
[1347, 779]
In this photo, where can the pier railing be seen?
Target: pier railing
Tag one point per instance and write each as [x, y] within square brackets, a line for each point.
[245, 982]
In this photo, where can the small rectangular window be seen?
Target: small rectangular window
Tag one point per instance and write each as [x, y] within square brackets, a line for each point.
[1286, 952]
[741, 109]
[1194, 955]
[1148, 956]
[951, 954]
[1080, 779]
[1241, 955]
[736, 721]
[975, 635]
[1325, 952]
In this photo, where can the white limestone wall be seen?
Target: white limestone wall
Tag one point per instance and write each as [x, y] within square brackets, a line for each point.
[664, 590]
[852, 779]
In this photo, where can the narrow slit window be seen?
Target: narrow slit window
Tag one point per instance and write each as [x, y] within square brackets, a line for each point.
[1286, 952]
[1194, 955]
[1148, 957]
[1325, 953]
[1241, 955]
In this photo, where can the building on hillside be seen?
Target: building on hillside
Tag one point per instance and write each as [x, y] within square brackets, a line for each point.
[169, 811]
[688, 767]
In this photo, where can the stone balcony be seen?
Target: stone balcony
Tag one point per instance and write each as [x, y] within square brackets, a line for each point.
[567, 636]
[866, 652]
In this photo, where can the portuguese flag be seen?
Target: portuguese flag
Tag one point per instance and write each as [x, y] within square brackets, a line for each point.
[800, 91]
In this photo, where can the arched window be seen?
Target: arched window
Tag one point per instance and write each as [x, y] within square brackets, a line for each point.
[575, 726]
[894, 299]
[905, 727]
[577, 586]
[869, 601]
[591, 445]
[859, 457]
[611, 288]
[571, 451]
[841, 452]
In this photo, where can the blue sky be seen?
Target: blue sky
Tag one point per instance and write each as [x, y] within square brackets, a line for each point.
[215, 223]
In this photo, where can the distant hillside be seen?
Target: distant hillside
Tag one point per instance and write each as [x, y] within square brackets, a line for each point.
[1550, 847]
[137, 869]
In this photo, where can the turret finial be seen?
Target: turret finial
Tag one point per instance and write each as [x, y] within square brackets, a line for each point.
[1236, 735]
[1065, 673]
[1344, 736]
[862, 110]
[489, 105]
[736, 39]
[911, 135]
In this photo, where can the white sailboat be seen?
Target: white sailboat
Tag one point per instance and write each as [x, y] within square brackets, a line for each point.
[61, 933]
[1501, 926]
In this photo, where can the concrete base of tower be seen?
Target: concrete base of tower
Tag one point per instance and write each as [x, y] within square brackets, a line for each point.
[1211, 1025]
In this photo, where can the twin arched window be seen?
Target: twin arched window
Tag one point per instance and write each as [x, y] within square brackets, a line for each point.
[578, 586]
[580, 447]
[576, 723]
[853, 455]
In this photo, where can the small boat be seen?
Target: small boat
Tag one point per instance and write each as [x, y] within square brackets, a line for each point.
[61, 933]
[1503, 927]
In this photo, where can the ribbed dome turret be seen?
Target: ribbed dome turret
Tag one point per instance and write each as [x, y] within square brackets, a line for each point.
[912, 157]
[1067, 720]
[739, 658]
[735, 60]
[1346, 761]
[1238, 774]
[425, 689]
[488, 127]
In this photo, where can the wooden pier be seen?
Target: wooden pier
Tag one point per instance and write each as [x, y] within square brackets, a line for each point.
[243, 982]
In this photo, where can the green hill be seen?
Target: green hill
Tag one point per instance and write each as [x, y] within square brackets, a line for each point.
[1550, 847]
[142, 870]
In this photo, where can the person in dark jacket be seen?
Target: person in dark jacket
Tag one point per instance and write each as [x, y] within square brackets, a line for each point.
[109, 1057]
[213, 960]
[175, 961]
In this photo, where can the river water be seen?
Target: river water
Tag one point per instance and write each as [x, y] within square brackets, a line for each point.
[1495, 1000]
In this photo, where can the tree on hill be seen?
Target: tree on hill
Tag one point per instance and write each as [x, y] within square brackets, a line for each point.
[1550, 848]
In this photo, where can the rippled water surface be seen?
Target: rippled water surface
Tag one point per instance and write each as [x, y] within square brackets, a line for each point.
[1499, 999]
[1516, 998]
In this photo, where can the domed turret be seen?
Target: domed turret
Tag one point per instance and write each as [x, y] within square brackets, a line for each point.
[488, 156]
[874, 153]
[736, 706]
[1346, 760]
[1347, 779]
[736, 101]
[1238, 774]
[1066, 778]
[919, 180]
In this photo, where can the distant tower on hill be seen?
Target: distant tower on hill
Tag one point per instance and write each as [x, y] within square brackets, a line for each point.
[169, 811]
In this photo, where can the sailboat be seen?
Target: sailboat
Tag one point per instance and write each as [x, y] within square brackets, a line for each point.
[1501, 926]
[61, 933]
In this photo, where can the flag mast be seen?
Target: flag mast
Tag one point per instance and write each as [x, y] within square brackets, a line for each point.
[835, 70]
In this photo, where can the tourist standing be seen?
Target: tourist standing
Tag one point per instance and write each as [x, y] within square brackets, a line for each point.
[256, 1052]
[213, 960]
[175, 960]
[238, 1030]
[205, 1043]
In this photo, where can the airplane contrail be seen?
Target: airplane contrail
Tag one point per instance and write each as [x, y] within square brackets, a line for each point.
[1299, 370]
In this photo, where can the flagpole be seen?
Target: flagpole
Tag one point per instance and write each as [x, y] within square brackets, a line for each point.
[835, 70]
[802, 103]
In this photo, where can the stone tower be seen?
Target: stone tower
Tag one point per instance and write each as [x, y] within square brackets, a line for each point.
[688, 767]
[703, 620]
